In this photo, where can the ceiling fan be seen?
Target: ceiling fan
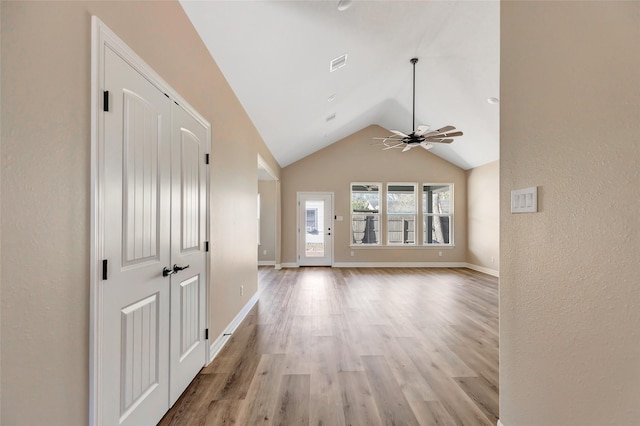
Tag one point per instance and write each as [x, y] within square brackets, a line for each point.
[420, 136]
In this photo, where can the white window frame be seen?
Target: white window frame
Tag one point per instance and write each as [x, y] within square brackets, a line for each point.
[425, 215]
[352, 231]
[393, 216]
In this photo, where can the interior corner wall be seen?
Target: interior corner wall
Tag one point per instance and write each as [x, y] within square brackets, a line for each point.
[354, 159]
[483, 217]
[267, 191]
[46, 116]
[569, 293]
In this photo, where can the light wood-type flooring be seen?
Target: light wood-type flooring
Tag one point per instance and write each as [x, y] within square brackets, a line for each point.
[369, 346]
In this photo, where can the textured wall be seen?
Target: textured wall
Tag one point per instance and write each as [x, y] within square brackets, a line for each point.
[46, 189]
[0, 208]
[483, 216]
[569, 287]
[354, 159]
[267, 190]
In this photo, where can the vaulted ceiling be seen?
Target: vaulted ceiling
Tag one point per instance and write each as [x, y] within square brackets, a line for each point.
[276, 55]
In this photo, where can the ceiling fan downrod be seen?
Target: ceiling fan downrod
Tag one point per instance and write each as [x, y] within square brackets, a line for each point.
[413, 123]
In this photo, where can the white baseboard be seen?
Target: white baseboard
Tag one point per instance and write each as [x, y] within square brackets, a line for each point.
[222, 339]
[278, 266]
[266, 262]
[484, 270]
[500, 423]
[399, 265]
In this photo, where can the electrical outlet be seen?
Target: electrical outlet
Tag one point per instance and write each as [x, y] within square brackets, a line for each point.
[493, 259]
[241, 290]
[264, 251]
[352, 253]
[440, 253]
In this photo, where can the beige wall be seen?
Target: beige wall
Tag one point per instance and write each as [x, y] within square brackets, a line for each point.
[569, 286]
[267, 190]
[354, 159]
[483, 216]
[46, 189]
[0, 210]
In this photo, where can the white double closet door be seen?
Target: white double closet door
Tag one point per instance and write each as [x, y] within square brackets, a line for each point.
[153, 323]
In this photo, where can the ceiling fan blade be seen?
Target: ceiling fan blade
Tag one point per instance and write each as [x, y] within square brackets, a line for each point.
[398, 133]
[389, 138]
[440, 132]
[407, 148]
[452, 134]
[392, 146]
[440, 140]
[421, 130]
[445, 129]
[426, 146]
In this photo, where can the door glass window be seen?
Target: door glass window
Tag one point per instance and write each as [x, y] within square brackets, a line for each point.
[314, 229]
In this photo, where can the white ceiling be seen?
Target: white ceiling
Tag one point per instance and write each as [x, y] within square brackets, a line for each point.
[275, 56]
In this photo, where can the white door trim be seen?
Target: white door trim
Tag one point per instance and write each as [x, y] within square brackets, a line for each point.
[102, 37]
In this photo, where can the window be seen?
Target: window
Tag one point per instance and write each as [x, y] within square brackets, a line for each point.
[312, 220]
[365, 213]
[437, 210]
[402, 205]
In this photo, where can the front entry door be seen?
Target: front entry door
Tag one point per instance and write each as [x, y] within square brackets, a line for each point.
[315, 229]
[188, 230]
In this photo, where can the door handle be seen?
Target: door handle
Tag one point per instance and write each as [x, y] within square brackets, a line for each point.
[166, 272]
[177, 268]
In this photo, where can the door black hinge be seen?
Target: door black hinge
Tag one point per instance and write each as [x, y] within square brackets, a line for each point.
[105, 101]
[206, 246]
[206, 334]
[206, 159]
[104, 269]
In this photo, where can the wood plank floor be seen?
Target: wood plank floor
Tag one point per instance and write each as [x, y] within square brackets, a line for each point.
[333, 346]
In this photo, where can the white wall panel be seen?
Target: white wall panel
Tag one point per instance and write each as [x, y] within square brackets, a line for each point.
[139, 352]
[189, 315]
[140, 179]
[190, 187]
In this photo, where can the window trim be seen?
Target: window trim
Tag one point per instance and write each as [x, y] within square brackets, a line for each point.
[388, 215]
[451, 215]
[379, 243]
[420, 215]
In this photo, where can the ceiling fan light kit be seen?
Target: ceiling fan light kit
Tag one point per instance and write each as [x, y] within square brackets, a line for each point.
[420, 136]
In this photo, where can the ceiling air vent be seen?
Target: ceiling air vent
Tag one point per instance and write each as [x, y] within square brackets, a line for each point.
[330, 117]
[338, 62]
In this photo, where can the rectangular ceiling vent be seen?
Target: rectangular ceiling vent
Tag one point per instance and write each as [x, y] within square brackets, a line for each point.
[330, 117]
[338, 62]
